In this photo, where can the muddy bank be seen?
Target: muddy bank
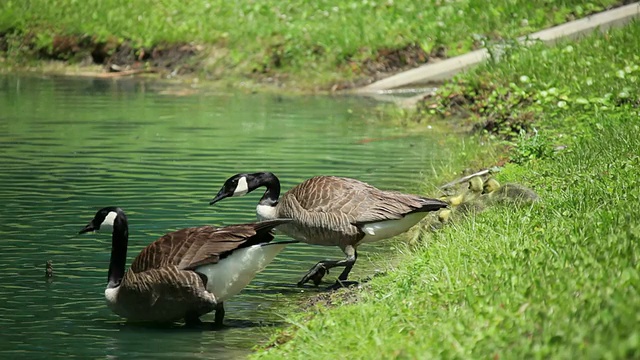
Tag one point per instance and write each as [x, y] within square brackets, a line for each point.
[119, 57]
[113, 56]
[317, 50]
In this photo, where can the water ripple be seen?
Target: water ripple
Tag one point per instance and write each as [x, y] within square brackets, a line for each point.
[72, 146]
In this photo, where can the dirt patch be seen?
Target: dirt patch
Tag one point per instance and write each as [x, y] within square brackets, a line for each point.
[67, 47]
[311, 305]
[386, 62]
[368, 68]
[332, 298]
[174, 58]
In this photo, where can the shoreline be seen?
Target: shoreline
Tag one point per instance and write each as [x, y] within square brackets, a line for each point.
[85, 55]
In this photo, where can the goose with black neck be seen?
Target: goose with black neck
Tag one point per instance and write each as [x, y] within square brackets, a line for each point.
[332, 211]
[186, 273]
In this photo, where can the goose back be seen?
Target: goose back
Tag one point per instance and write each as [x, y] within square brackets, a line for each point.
[192, 247]
[330, 210]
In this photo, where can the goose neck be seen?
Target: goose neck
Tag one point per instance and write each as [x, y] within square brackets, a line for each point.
[119, 243]
[271, 195]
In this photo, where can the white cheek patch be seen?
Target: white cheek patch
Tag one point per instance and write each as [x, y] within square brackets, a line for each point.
[107, 223]
[242, 187]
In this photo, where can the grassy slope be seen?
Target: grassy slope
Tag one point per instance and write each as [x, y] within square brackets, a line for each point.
[558, 279]
[308, 40]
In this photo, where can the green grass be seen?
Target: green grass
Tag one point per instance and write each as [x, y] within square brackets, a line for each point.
[305, 40]
[546, 86]
[556, 279]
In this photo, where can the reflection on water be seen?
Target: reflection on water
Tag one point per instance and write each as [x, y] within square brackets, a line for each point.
[70, 147]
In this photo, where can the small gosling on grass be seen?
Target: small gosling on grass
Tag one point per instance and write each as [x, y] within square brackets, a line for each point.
[473, 192]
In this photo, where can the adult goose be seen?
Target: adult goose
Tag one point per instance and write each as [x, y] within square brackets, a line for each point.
[186, 273]
[332, 211]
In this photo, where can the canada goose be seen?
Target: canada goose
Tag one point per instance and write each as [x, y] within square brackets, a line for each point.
[186, 273]
[332, 211]
[472, 193]
[490, 186]
[444, 215]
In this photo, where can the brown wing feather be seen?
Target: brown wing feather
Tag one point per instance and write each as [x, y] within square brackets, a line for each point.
[316, 225]
[192, 247]
[323, 198]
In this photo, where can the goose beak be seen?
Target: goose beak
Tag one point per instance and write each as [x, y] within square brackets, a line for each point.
[218, 197]
[87, 228]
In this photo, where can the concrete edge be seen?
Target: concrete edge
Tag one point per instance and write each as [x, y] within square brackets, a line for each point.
[448, 68]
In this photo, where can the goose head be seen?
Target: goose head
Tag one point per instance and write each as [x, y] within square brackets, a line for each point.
[444, 215]
[112, 219]
[242, 184]
[105, 220]
[476, 184]
[491, 185]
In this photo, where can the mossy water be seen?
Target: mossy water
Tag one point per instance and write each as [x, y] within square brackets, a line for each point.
[72, 146]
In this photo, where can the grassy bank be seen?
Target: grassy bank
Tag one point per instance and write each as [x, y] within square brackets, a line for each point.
[323, 42]
[556, 279]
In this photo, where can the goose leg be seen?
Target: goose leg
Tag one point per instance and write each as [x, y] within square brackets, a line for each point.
[352, 255]
[319, 270]
[219, 314]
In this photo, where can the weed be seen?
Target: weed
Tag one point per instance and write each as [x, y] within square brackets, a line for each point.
[529, 147]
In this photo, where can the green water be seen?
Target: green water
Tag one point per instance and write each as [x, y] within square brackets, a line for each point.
[72, 146]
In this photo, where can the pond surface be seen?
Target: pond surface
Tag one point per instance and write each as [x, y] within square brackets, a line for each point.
[72, 146]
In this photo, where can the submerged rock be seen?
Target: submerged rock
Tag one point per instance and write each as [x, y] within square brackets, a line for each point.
[48, 273]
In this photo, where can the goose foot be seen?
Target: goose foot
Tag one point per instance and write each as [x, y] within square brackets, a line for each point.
[317, 272]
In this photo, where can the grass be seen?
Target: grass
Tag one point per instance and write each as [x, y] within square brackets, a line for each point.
[545, 85]
[325, 41]
[556, 279]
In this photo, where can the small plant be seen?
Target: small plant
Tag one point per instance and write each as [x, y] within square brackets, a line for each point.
[529, 147]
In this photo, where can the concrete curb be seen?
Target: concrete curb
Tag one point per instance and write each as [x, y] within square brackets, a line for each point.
[447, 68]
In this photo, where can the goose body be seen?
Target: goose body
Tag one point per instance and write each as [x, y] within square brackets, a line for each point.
[149, 297]
[186, 273]
[332, 211]
[235, 272]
